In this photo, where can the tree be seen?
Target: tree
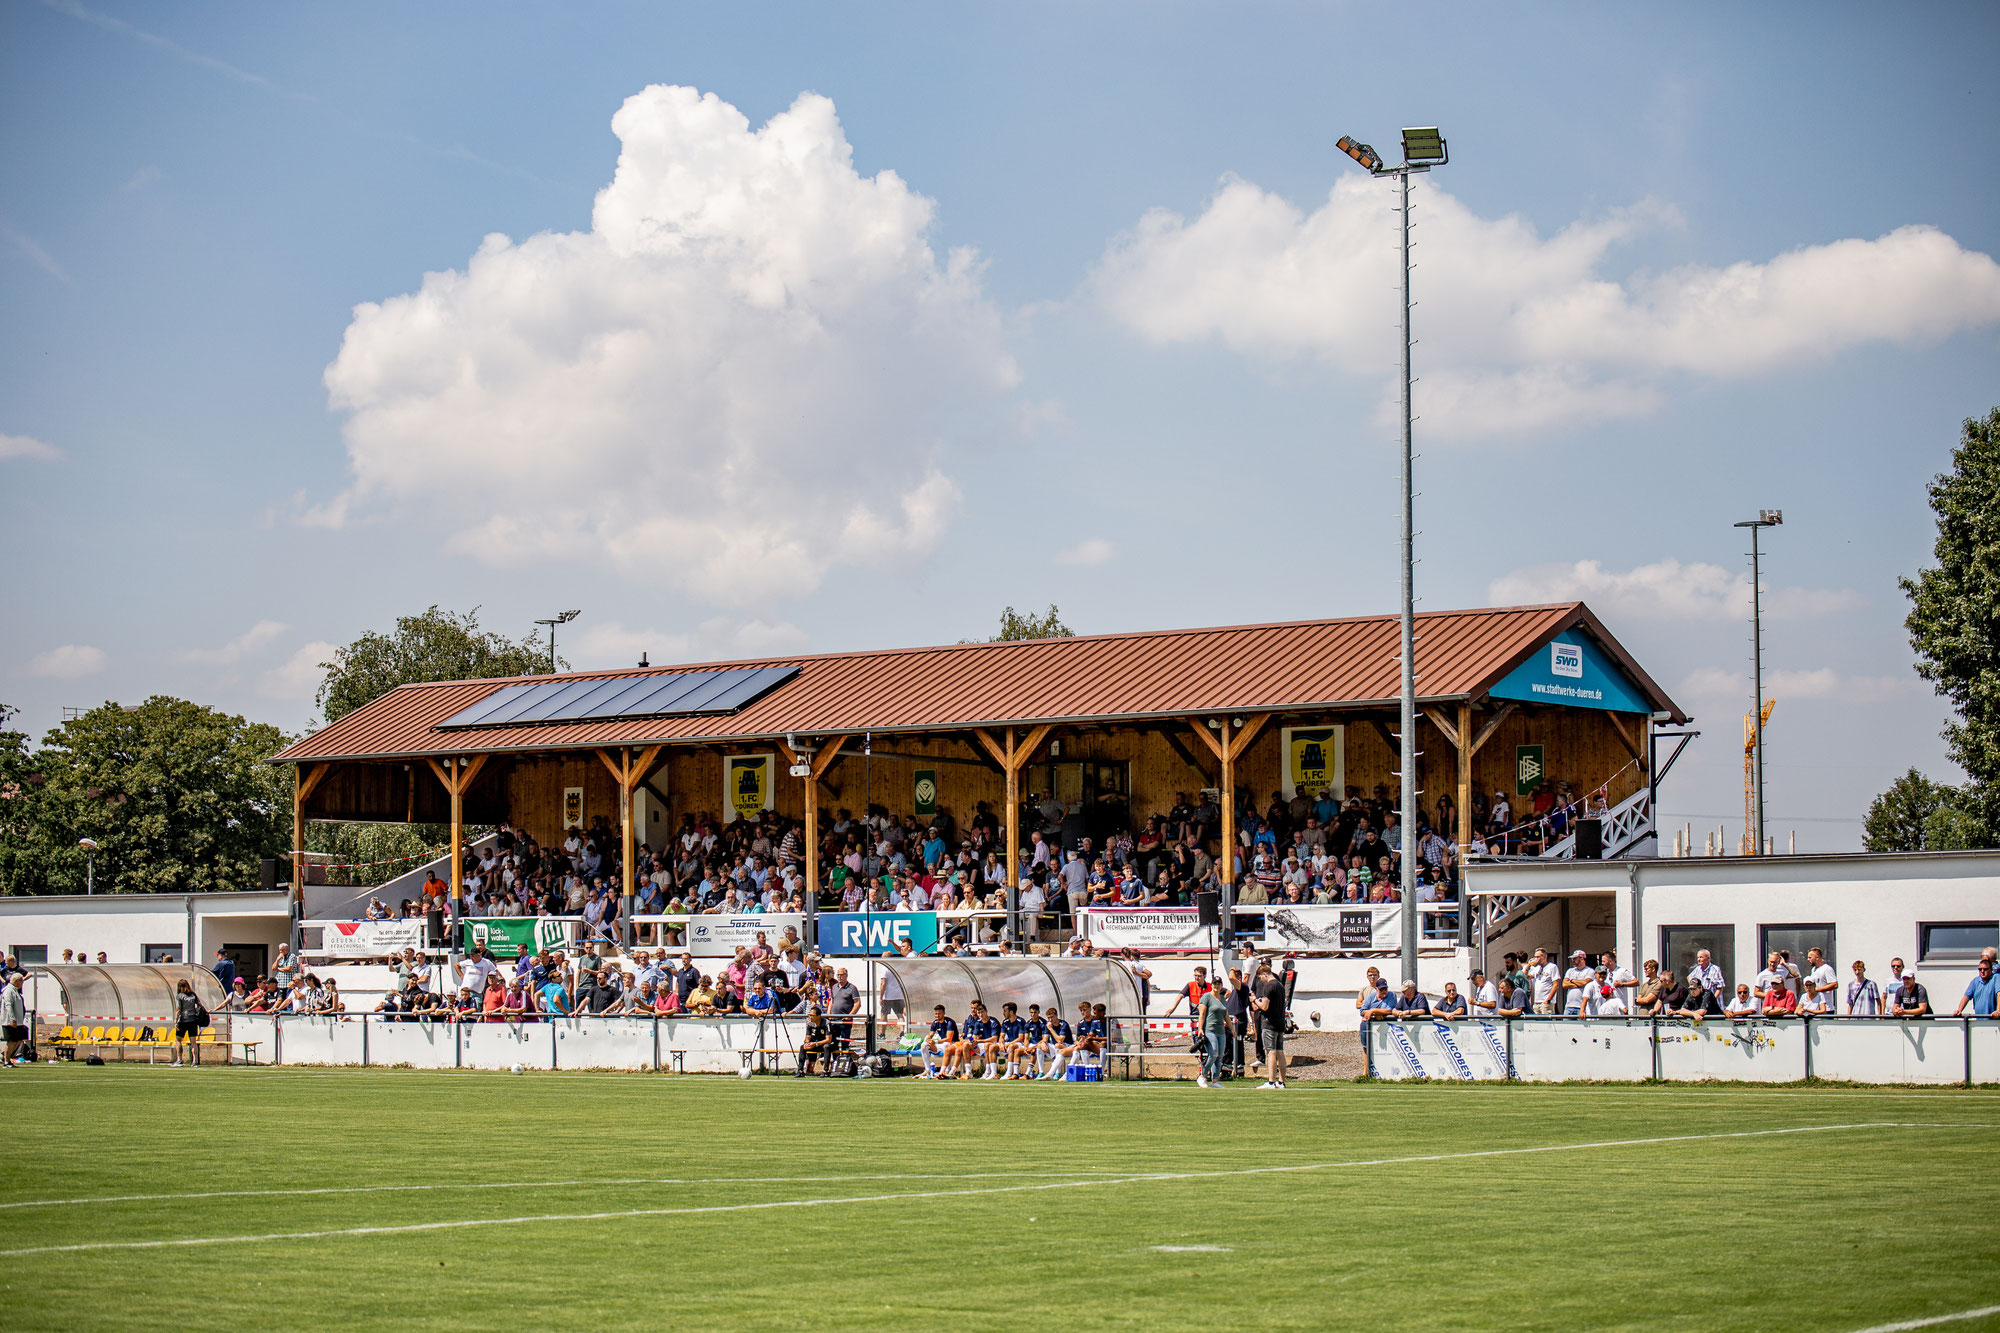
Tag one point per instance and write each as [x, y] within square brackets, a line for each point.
[177, 797]
[20, 803]
[1954, 620]
[1014, 625]
[437, 645]
[1909, 817]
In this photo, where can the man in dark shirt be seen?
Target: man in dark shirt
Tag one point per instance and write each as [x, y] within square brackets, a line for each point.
[816, 1046]
[685, 978]
[1267, 1004]
[1412, 1003]
[941, 1040]
[843, 997]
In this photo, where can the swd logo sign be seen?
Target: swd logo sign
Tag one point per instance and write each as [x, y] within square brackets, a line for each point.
[1566, 659]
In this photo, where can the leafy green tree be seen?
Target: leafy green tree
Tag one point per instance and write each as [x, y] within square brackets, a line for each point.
[1915, 815]
[177, 797]
[1954, 620]
[437, 645]
[22, 857]
[1015, 625]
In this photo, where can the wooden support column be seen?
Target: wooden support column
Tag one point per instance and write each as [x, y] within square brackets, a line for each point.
[1227, 742]
[1013, 756]
[1463, 832]
[820, 763]
[458, 775]
[628, 772]
[303, 783]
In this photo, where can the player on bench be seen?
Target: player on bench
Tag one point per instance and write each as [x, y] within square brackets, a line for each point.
[1035, 1041]
[1013, 1038]
[941, 1042]
[979, 1037]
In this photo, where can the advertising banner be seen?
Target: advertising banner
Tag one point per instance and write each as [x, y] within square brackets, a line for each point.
[722, 936]
[1575, 672]
[572, 807]
[1528, 769]
[1147, 929]
[864, 933]
[367, 939]
[924, 792]
[1315, 760]
[1361, 927]
[512, 936]
[746, 786]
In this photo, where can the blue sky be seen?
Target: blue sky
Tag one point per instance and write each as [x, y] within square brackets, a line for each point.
[1020, 304]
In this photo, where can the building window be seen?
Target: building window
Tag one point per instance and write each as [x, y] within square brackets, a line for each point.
[161, 953]
[1680, 944]
[1798, 939]
[29, 955]
[1954, 941]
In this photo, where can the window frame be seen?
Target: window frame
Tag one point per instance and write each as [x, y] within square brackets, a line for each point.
[1925, 954]
[1799, 958]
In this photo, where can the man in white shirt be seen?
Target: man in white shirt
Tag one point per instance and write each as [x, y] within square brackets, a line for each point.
[1774, 976]
[1822, 985]
[1744, 1005]
[1485, 999]
[1032, 901]
[1623, 986]
[1580, 978]
[1543, 977]
[1864, 997]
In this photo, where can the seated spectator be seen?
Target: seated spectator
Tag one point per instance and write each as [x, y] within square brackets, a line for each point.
[1744, 1005]
[516, 1007]
[1451, 1004]
[1673, 995]
[1779, 1001]
[1379, 1004]
[1646, 1000]
[702, 1001]
[1701, 1003]
[1512, 1001]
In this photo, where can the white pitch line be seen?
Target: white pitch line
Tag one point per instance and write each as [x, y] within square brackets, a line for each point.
[552, 1184]
[414, 1227]
[1933, 1321]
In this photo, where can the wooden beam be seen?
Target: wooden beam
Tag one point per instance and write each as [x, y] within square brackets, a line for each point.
[1026, 749]
[442, 775]
[1631, 747]
[649, 760]
[308, 784]
[1464, 829]
[619, 771]
[1492, 725]
[828, 757]
[1002, 755]
[1389, 738]
[1241, 741]
[1180, 748]
[1200, 729]
[1443, 724]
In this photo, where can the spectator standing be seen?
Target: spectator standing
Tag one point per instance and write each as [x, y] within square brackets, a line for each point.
[1212, 1021]
[1910, 1000]
[225, 970]
[1267, 998]
[1708, 974]
[1485, 997]
[285, 970]
[14, 1019]
[1543, 978]
[1575, 983]
[1237, 1001]
[1864, 998]
[1982, 992]
[188, 1018]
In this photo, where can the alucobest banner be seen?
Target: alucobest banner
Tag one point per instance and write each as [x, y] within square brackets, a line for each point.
[1147, 929]
[367, 939]
[1360, 928]
[722, 936]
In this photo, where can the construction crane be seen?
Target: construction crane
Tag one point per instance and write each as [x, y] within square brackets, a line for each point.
[1751, 728]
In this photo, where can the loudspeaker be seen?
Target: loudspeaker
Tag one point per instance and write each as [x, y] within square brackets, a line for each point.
[267, 873]
[1209, 904]
[1589, 840]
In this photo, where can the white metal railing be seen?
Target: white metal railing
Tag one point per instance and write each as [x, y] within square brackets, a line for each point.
[1624, 824]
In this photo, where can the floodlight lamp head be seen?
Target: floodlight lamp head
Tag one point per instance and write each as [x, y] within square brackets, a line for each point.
[1772, 517]
[88, 844]
[567, 616]
[1424, 146]
[1360, 152]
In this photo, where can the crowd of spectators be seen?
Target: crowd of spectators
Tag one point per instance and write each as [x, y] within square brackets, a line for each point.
[1600, 988]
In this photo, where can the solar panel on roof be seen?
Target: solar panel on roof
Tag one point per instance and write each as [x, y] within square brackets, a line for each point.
[682, 694]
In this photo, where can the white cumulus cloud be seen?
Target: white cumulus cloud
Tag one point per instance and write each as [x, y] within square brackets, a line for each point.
[69, 662]
[1664, 590]
[612, 644]
[249, 641]
[746, 372]
[1814, 683]
[1089, 551]
[1522, 332]
[27, 446]
[299, 675]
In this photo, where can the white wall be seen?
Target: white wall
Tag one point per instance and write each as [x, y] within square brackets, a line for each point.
[1875, 903]
[122, 924]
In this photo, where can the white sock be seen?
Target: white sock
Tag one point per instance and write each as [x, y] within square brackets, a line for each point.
[1013, 1068]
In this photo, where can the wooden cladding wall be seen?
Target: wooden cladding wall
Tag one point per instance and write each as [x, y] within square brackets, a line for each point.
[1580, 746]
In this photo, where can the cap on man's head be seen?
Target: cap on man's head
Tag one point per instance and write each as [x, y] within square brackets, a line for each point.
[1578, 953]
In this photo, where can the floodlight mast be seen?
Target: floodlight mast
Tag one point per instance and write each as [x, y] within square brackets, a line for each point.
[1423, 148]
[561, 618]
[1766, 518]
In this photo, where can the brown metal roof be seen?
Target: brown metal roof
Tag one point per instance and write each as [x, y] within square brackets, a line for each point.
[1295, 667]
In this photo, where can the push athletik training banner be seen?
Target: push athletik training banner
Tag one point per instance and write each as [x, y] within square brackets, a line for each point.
[1315, 760]
[746, 786]
[722, 936]
[1147, 929]
[363, 939]
[1365, 928]
[848, 933]
[512, 936]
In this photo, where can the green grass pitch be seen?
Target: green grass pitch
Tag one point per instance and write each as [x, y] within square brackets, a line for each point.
[402, 1199]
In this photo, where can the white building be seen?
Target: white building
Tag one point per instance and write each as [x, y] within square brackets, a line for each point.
[1933, 910]
[148, 927]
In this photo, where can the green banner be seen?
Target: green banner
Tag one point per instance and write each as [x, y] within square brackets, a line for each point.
[511, 936]
[926, 791]
[1527, 769]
